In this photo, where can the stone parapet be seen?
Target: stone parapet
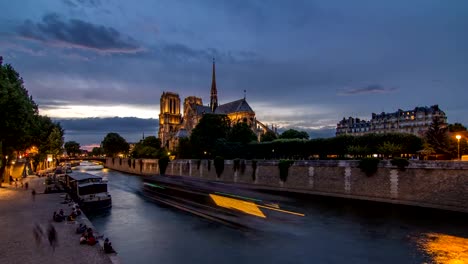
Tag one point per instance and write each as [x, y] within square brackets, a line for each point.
[436, 184]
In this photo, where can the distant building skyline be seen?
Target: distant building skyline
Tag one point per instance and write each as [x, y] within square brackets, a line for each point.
[414, 121]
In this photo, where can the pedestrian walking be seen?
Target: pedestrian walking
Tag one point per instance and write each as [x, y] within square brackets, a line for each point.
[52, 235]
[26, 185]
[33, 193]
[38, 234]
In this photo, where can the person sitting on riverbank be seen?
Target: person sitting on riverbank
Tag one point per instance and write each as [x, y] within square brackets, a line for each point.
[72, 216]
[57, 218]
[83, 239]
[108, 246]
[91, 240]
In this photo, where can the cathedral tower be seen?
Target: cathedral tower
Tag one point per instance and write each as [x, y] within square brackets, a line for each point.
[214, 92]
[169, 118]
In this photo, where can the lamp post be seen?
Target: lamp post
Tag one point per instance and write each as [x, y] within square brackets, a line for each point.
[458, 139]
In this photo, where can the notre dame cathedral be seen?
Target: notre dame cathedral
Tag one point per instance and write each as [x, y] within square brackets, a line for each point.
[173, 126]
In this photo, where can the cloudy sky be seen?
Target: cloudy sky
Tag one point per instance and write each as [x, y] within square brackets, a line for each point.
[304, 64]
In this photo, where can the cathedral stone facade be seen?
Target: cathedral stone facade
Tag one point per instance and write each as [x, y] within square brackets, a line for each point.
[173, 126]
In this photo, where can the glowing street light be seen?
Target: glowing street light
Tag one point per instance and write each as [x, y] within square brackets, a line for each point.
[458, 138]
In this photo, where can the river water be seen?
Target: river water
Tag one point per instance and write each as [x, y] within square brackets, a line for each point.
[332, 231]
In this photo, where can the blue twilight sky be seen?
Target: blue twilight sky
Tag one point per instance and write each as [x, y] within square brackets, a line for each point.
[304, 64]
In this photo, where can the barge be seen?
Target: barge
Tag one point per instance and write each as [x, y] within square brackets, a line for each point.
[89, 191]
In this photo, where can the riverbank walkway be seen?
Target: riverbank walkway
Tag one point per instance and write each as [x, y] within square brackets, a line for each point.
[19, 213]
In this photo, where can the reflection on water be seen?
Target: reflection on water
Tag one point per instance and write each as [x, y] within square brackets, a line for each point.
[445, 249]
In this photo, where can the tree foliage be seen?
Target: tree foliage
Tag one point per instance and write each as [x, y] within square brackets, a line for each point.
[114, 144]
[205, 135]
[268, 136]
[437, 137]
[456, 127]
[97, 151]
[72, 148]
[149, 148]
[242, 133]
[21, 125]
[18, 112]
[292, 133]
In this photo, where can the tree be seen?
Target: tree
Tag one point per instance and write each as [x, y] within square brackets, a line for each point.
[184, 148]
[114, 144]
[437, 136]
[456, 127]
[97, 151]
[390, 148]
[205, 135]
[55, 141]
[292, 133]
[17, 114]
[149, 147]
[241, 132]
[268, 136]
[72, 148]
[43, 128]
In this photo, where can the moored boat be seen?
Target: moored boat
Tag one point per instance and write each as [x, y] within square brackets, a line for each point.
[86, 165]
[88, 190]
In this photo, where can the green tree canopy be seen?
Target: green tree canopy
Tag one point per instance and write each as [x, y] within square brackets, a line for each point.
[150, 148]
[18, 111]
[72, 148]
[97, 151]
[205, 135]
[268, 136]
[241, 132]
[114, 144]
[17, 115]
[456, 127]
[292, 133]
[437, 136]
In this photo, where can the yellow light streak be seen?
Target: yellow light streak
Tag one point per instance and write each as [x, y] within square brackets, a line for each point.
[280, 210]
[244, 206]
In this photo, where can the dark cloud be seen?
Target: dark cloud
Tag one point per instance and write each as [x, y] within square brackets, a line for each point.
[112, 124]
[176, 52]
[371, 89]
[75, 33]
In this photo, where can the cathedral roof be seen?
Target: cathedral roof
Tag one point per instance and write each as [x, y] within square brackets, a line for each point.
[240, 105]
[201, 109]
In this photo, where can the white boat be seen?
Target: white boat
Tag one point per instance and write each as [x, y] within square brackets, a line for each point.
[86, 165]
[88, 190]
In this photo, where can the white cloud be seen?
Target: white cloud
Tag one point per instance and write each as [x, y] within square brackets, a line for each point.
[82, 111]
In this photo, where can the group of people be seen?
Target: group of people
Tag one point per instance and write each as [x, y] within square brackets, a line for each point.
[87, 235]
[62, 217]
[89, 238]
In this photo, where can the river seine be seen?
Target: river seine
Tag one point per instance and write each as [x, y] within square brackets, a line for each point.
[332, 231]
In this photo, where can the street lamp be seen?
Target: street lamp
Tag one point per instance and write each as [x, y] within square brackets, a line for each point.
[458, 138]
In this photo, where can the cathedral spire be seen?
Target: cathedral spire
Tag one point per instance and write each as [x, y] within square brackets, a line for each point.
[214, 92]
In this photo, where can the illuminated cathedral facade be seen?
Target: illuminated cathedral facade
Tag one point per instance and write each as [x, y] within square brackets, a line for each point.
[173, 125]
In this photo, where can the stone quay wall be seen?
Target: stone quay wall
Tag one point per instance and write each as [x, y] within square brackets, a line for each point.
[434, 184]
